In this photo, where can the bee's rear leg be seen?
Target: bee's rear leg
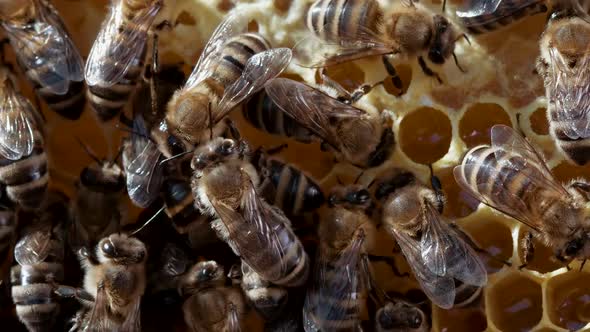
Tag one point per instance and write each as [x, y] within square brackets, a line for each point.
[427, 71]
[85, 298]
[528, 250]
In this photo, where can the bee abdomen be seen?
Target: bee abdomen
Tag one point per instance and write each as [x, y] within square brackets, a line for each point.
[576, 149]
[507, 12]
[69, 105]
[263, 114]
[26, 179]
[338, 20]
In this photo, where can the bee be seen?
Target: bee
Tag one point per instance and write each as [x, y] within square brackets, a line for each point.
[286, 186]
[401, 316]
[23, 162]
[114, 283]
[262, 113]
[40, 256]
[8, 224]
[232, 67]
[433, 248]
[47, 54]
[98, 209]
[342, 275]
[116, 59]
[357, 136]
[225, 187]
[211, 306]
[362, 28]
[511, 177]
[563, 66]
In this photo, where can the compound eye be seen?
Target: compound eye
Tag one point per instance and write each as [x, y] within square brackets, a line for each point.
[108, 249]
[362, 196]
[174, 145]
[226, 148]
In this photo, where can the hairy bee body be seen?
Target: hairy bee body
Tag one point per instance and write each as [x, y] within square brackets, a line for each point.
[268, 299]
[32, 280]
[400, 316]
[47, 55]
[265, 115]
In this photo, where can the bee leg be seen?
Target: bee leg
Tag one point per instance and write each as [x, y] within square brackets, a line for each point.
[343, 94]
[528, 250]
[276, 149]
[437, 187]
[427, 71]
[232, 130]
[395, 79]
[86, 257]
[389, 261]
[80, 294]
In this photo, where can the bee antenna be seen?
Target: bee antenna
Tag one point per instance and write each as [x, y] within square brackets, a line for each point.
[457, 63]
[359, 177]
[174, 157]
[444, 5]
[149, 221]
[87, 150]
[582, 265]
[372, 183]
[339, 180]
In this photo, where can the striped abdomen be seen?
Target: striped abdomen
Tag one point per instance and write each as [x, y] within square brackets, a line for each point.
[507, 12]
[263, 114]
[26, 179]
[268, 299]
[343, 20]
[180, 207]
[294, 192]
[576, 149]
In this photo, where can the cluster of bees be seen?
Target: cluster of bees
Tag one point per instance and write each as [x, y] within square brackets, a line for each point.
[185, 155]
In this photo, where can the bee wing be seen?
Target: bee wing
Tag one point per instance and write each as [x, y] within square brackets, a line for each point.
[99, 313]
[142, 172]
[231, 26]
[335, 287]
[16, 125]
[260, 68]
[132, 322]
[439, 289]
[570, 94]
[312, 108]
[118, 45]
[33, 247]
[473, 8]
[445, 253]
[44, 44]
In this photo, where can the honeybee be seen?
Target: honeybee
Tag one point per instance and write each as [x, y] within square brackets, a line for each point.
[269, 300]
[362, 28]
[232, 67]
[116, 59]
[225, 187]
[114, 283]
[287, 187]
[563, 65]
[342, 277]
[401, 316]
[360, 137]
[511, 176]
[46, 53]
[98, 208]
[433, 248]
[8, 224]
[211, 306]
[40, 255]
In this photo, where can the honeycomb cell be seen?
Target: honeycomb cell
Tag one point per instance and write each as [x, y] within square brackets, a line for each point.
[515, 303]
[459, 203]
[348, 74]
[568, 299]
[185, 18]
[458, 320]
[253, 26]
[225, 5]
[476, 123]
[282, 5]
[494, 237]
[543, 260]
[425, 135]
[539, 122]
[405, 74]
[565, 171]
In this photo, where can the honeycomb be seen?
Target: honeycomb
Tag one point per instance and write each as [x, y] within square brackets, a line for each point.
[433, 123]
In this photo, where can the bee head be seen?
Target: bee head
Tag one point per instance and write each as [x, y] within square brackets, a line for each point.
[204, 274]
[352, 196]
[389, 183]
[217, 151]
[121, 249]
[400, 316]
[443, 41]
[104, 177]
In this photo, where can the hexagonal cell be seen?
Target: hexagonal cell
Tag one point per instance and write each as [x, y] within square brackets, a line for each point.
[539, 123]
[282, 5]
[566, 171]
[515, 303]
[543, 260]
[405, 74]
[425, 135]
[494, 237]
[568, 300]
[476, 123]
[348, 74]
[472, 320]
[459, 203]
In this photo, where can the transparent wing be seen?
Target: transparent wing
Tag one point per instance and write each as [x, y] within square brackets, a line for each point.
[98, 319]
[439, 289]
[231, 26]
[335, 287]
[16, 126]
[570, 94]
[119, 45]
[174, 261]
[446, 254]
[143, 174]
[33, 247]
[472, 8]
[260, 68]
[132, 322]
[488, 13]
[312, 108]
[44, 43]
